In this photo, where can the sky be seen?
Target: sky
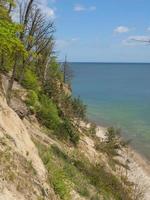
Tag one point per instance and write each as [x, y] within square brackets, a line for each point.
[101, 30]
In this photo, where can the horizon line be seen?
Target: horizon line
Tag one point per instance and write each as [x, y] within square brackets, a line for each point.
[103, 62]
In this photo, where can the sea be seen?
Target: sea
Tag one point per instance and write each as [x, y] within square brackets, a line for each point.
[117, 94]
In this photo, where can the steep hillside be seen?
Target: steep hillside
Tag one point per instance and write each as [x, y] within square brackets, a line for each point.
[37, 164]
[22, 173]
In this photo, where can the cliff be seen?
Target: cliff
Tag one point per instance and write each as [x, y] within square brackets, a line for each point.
[35, 164]
[22, 172]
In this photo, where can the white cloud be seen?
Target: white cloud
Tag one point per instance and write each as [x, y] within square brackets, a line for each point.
[43, 5]
[138, 39]
[80, 8]
[148, 28]
[121, 29]
[61, 44]
[49, 12]
[46, 9]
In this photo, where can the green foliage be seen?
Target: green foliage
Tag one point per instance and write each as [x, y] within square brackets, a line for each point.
[73, 107]
[8, 37]
[3, 12]
[111, 147]
[105, 182]
[54, 69]
[71, 173]
[52, 85]
[81, 172]
[79, 108]
[32, 98]
[60, 186]
[112, 143]
[80, 182]
[57, 177]
[48, 113]
[112, 134]
[92, 130]
[10, 45]
[52, 89]
[67, 72]
[59, 153]
[75, 168]
[68, 131]
[33, 101]
[30, 80]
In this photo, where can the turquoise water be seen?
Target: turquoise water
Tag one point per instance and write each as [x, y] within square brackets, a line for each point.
[118, 95]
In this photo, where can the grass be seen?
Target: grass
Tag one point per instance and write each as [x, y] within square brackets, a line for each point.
[80, 182]
[96, 175]
[63, 175]
[56, 176]
[74, 171]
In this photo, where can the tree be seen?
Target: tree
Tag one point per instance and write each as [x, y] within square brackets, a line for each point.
[10, 45]
[79, 109]
[37, 36]
[28, 44]
[44, 60]
[67, 72]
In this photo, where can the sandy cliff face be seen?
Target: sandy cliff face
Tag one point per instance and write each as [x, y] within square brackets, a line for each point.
[22, 173]
[23, 176]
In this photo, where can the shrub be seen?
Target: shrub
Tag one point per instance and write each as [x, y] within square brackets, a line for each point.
[68, 131]
[72, 107]
[79, 180]
[56, 175]
[60, 184]
[48, 113]
[92, 130]
[105, 182]
[79, 109]
[71, 172]
[33, 100]
[30, 80]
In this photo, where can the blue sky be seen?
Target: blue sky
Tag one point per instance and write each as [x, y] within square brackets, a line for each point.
[101, 30]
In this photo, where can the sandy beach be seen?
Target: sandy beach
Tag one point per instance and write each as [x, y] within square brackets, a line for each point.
[139, 172]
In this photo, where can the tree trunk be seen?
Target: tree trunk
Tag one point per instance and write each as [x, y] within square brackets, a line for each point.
[10, 84]
[2, 61]
[10, 8]
[45, 71]
[26, 18]
[21, 76]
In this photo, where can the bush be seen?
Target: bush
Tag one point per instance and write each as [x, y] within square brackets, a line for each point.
[79, 108]
[105, 182]
[56, 176]
[72, 107]
[60, 184]
[33, 100]
[48, 113]
[71, 172]
[68, 131]
[30, 80]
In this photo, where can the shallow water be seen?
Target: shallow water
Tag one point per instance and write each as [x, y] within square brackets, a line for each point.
[118, 95]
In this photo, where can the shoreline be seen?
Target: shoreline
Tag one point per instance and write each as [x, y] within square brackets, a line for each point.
[105, 126]
[139, 172]
[142, 160]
